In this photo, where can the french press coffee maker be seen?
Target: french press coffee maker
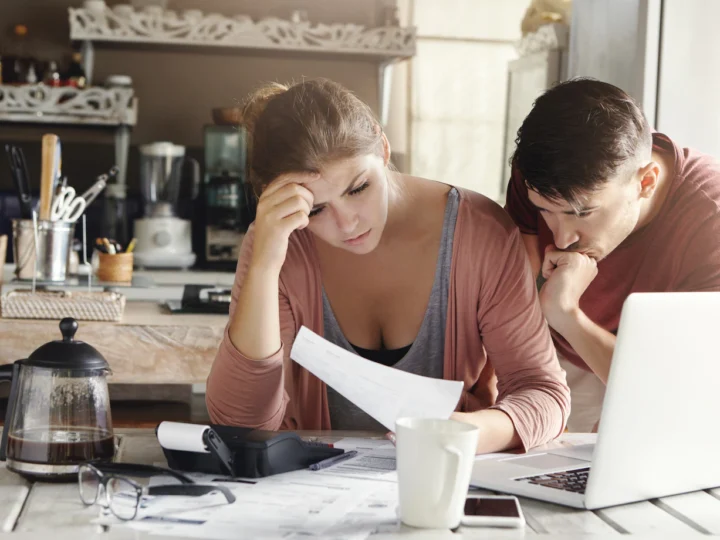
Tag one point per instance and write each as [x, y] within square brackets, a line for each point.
[58, 414]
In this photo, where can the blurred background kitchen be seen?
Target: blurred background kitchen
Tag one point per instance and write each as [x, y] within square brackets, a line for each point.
[153, 88]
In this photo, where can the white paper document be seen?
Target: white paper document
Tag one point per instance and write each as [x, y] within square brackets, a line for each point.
[375, 460]
[383, 392]
[294, 505]
[573, 445]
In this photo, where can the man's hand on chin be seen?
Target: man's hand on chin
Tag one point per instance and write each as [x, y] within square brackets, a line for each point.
[567, 275]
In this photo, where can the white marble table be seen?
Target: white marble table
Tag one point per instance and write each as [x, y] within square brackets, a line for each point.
[55, 511]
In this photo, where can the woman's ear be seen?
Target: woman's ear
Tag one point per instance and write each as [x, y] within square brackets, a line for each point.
[387, 152]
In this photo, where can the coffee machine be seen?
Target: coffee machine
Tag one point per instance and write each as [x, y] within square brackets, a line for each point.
[229, 200]
[164, 239]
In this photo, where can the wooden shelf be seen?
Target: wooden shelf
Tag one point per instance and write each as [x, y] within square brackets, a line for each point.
[94, 106]
[96, 22]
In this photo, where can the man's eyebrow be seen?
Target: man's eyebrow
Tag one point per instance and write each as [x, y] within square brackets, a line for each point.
[583, 209]
[573, 212]
[347, 190]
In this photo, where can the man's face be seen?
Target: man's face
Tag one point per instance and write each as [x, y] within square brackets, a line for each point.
[605, 219]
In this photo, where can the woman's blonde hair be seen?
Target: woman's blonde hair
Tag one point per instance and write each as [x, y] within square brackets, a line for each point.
[301, 127]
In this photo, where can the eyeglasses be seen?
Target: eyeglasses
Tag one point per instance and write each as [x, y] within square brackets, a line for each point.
[123, 495]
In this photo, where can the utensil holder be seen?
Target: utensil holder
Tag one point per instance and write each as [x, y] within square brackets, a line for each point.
[54, 240]
[115, 268]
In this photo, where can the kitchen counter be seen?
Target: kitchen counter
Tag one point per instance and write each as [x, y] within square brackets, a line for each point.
[164, 284]
[149, 346]
[162, 277]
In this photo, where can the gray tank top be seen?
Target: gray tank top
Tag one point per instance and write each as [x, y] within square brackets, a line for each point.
[426, 355]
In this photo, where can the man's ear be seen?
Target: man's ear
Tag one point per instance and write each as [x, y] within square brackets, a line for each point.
[649, 178]
[387, 152]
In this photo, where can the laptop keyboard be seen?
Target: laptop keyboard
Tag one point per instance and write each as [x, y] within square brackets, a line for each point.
[573, 481]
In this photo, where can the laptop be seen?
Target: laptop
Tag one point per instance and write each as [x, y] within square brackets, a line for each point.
[659, 432]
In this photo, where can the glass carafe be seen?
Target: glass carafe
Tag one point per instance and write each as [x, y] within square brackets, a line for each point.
[58, 409]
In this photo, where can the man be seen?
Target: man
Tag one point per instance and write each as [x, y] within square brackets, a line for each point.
[607, 208]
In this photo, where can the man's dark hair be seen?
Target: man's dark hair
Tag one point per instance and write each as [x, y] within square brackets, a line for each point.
[578, 135]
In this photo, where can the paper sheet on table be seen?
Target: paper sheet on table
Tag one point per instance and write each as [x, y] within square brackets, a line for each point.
[383, 392]
[375, 460]
[573, 445]
[298, 504]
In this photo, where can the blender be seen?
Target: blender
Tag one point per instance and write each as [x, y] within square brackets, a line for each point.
[164, 240]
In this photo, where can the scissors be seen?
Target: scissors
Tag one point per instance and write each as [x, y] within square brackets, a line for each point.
[68, 206]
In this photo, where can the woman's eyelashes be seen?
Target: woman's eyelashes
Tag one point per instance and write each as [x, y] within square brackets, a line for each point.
[357, 190]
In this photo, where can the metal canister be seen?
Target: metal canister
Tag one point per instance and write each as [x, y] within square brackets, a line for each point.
[54, 241]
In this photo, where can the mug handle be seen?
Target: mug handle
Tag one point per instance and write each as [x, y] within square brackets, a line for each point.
[453, 479]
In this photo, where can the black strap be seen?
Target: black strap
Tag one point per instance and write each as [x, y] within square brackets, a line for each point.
[141, 470]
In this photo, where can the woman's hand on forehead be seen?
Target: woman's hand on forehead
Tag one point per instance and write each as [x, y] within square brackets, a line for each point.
[301, 178]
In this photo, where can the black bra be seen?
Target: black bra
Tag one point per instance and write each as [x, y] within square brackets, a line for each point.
[386, 357]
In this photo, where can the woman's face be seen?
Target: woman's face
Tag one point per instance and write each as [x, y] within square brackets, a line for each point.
[350, 204]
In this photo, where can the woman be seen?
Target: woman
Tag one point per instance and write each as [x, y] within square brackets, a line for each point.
[404, 271]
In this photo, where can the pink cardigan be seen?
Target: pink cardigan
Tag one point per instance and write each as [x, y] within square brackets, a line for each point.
[496, 339]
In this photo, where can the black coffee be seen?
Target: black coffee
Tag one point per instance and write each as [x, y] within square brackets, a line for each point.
[58, 446]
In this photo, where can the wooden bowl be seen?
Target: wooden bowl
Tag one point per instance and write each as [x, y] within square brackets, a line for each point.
[227, 116]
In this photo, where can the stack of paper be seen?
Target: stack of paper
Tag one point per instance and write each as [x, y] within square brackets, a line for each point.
[348, 501]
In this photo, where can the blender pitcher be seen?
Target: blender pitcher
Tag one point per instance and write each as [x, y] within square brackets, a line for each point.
[164, 239]
[161, 166]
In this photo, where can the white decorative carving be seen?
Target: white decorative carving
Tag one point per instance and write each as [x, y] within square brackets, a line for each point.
[546, 38]
[94, 105]
[97, 22]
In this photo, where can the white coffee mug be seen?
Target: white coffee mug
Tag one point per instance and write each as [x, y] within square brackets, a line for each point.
[434, 464]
